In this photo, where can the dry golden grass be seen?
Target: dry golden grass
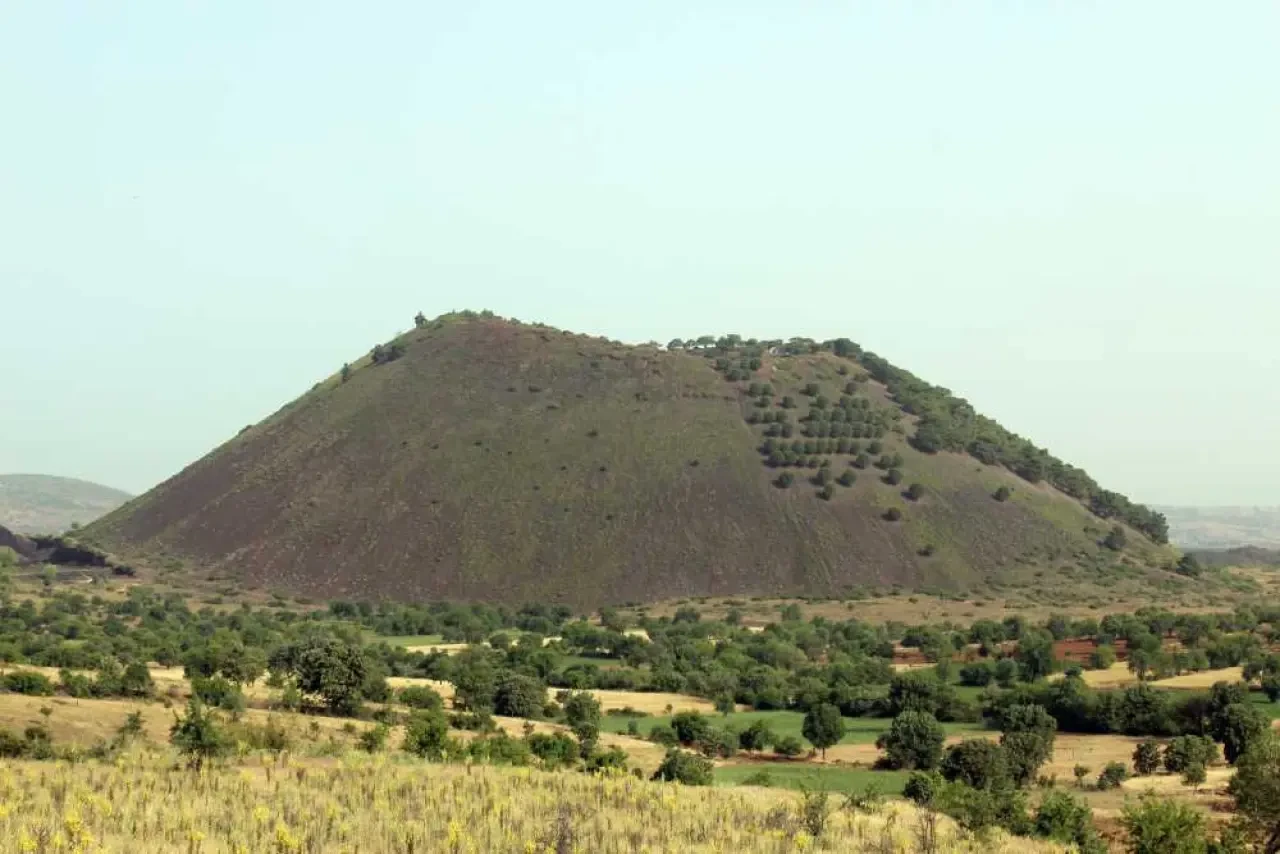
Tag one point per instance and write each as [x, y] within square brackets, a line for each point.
[1203, 679]
[147, 804]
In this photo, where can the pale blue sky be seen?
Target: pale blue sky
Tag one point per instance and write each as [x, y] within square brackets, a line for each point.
[1067, 212]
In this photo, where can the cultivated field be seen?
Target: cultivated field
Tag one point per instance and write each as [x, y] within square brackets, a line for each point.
[147, 804]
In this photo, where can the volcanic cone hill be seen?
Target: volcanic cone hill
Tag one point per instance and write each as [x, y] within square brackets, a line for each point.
[476, 458]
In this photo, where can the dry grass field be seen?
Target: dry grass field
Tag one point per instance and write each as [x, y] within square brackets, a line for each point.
[147, 804]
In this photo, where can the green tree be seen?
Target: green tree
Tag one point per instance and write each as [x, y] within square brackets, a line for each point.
[328, 667]
[680, 766]
[823, 726]
[197, 737]
[519, 696]
[582, 714]
[427, 734]
[1065, 819]
[555, 750]
[1157, 826]
[976, 762]
[1028, 733]
[346, 371]
[1239, 726]
[1035, 654]
[914, 741]
[1146, 757]
[1256, 789]
[1186, 750]
[756, 737]
[1112, 776]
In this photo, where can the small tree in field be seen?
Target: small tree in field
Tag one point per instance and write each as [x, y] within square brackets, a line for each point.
[914, 741]
[823, 726]
[1146, 757]
[197, 737]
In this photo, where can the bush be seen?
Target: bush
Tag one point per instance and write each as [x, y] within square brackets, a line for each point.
[1027, 739]
[1002, 494]
[784, 480]
[758, 736]
[420, 697]
[1146, 757]
[1116, 539]
[976, 762]
[28, 682]
[915, 492]
[680, 766]
[914, 741]
[374, 739]
[554, 750]
[197, 736]
[1112, 776]
[1158, 826]
[519, 696]
[218, 693]
[893, 514]
[1187, 750]
[1065, 819]
[427, 734]
[893, 477]
[789, 746]
[1102, 657]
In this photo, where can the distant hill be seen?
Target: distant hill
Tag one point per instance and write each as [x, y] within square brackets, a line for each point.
[42, 504]
[476, 458]
[1224, 527]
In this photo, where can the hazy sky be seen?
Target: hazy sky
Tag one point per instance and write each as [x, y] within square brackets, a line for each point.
[1067, 212]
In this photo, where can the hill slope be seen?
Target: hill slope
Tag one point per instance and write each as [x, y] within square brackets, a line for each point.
[480, 459]
[42, 504]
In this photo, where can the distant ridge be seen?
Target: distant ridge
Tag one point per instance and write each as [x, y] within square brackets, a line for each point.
[44, 504]
[477, 458]
[1224, 527]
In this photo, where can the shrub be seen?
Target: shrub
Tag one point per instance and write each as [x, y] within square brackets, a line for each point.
[218, 693]
[1002, 494]
[680, 766]
[28, 682]
[915, 492]
[758, 736]
[427, 734]
[374, 739]
[1146, 757]
[1115, 539]
[914, 741]
[784, 480]
[893, 514]
[827, 492]
[788, 745]
[893, 477]
[976, 762]
[1102, 657]
[1187, 750]
[846, 478]
[1065, 819]
[197, 736]
[420, 697]
[582, 714]
[519, 696]
[1158, 826]
[554, 750]
[1112, 776]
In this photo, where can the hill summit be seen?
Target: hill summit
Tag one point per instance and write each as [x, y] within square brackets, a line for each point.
[478, 458]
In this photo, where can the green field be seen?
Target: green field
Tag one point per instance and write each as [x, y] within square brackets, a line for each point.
[795, 775]
[857, 730]
[406, 640]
